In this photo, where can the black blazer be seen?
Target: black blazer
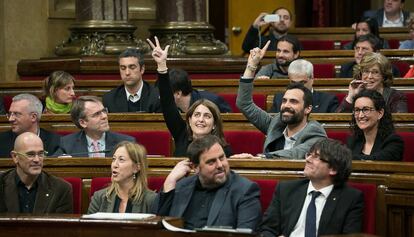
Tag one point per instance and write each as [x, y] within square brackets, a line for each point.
[342, 213]
[50, 142]
[223, 106]
[389, 149]
[322, 102]
[116, 100]
[379, 16]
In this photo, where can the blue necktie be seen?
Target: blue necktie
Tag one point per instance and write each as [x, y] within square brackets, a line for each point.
[310, 223]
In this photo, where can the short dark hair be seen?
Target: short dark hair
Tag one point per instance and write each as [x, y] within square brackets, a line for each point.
[284, 8]
[200, 145]
[78, 108]
[180, 81]
[307, 94]
[132, 52]
[292, 40]
[338, 157]
[372, 39]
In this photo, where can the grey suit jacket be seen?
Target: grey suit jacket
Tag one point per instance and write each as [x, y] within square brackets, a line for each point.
[273, 127]
[235, 204]
[75, 144]
[342, 213]
[54, 195]
[100, 203]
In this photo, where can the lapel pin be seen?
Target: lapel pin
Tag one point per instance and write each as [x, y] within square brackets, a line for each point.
[334, 198]
[47, 195]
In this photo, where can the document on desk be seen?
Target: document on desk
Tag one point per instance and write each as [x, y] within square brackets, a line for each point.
[118, 216]
[170, 227]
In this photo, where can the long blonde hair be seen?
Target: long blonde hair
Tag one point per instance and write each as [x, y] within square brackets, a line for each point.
[138, 155]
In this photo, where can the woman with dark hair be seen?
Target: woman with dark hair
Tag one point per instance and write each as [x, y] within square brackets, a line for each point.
[374, 136]
[374, 72]
[58, 89]
[202, 118]
[365, 26]
[128, 192]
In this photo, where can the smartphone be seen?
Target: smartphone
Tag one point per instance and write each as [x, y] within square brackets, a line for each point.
[271, 18]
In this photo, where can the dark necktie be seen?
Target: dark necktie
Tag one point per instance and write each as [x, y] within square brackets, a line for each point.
[310, 223]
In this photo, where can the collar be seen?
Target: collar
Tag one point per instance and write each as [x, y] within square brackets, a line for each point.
[397, 23]
[296, 135]
[325, 191]
[137, 95]
[100, 140]
[19, 182]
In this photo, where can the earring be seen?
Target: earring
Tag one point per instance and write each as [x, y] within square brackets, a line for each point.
[134, 176]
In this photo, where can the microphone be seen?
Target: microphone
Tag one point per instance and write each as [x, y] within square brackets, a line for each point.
[80, 154]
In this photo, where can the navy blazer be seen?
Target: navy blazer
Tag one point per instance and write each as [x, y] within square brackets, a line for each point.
[223, 106]
[76, 145]
[116, 100]
[390, 148]
[322, 102]
[342, 213]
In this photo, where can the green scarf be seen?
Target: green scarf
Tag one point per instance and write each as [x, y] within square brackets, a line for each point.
[57, 108]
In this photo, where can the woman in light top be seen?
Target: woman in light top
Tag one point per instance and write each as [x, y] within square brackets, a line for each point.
[374, 136]
[128, 192]
[59, 92]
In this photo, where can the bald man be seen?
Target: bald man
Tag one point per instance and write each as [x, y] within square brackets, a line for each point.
[28, 189]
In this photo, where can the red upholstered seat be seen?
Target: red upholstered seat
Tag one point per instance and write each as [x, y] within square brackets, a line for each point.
[267, 188]
[76, 183]
[156, 183]
[245, 141]
[403, 67]
[408, 138]
[340, 96]
[318, 44]
[156, 142]
[370, 200]
[259, 100]
[324, 70]
[394, 43]
[410, 101]
[7, 100]
[340, 135]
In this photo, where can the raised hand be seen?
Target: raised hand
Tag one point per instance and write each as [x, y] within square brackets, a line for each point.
[180, 170]
[255, 56]
[158, 54]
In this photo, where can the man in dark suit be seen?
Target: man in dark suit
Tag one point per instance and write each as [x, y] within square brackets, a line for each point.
[391, 15]
[322, 204]
[185, 95]
[28, 189]
[215, 195]
[24, 116]
[301, 70]
[94, 139]
[135, 94]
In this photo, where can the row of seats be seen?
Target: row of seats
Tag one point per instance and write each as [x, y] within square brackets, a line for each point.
[308, 44]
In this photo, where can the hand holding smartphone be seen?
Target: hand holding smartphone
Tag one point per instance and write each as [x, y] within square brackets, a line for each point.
[271, 18]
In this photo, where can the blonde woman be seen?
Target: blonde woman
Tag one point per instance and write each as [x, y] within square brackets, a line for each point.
[58, 89]
[128, 192]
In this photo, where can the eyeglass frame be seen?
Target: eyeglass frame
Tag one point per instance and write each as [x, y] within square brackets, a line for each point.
[367, 110]
[366, 72]
[32, 155]
[99, 113]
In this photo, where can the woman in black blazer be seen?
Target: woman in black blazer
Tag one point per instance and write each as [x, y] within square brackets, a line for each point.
[374, 136]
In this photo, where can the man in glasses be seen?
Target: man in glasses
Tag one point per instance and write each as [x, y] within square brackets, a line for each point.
[94, 139]
[135, 94]
[301, 71]
[321, 204]
[28, 189]
[24, 116]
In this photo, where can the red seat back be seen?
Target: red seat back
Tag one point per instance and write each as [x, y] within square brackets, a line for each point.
[340, 135]
[7, 100]
[394, 43]
[258, 99]
[403, 67]
[340, 96]
[318, 44]
[156, 142]
[267, 188]
[324, 70]
[370, 200]
[156, 183]
[245, 141]
[408, 138]
[410, 101]
[76, 183]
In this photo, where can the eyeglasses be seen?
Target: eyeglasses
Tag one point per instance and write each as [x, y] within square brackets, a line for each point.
[13, 114]
[364, 110]
[99, 113]
[374, 73]
[32, 154]
[314, 155]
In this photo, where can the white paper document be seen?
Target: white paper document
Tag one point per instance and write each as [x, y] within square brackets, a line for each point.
[118, 216]
[170, 227]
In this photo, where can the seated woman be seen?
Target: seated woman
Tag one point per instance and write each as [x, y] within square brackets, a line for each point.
[374, 73]
[365, 26]
[202, 118]
[128, 192]
[59, 92]
[409, 44]
[374, 137]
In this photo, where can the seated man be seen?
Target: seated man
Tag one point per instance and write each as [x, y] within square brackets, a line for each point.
[275, 31]
[363, 44]
[24, 116]
[289, 134]
[391, 15]
[322, 204]
[185, 95]
[135, 95]
[94, 139]
[301, 71]
[287, 50]
[215, 195]
[28, 189]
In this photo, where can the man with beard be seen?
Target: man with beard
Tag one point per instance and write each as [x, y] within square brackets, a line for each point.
[391, 15]
[276, 30]
[94, 139]
[321, 204]
[289, 134]
[215, 195]
[287, 50]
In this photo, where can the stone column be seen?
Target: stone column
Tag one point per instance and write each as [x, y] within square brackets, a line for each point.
[101, 28]
[183, 25]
